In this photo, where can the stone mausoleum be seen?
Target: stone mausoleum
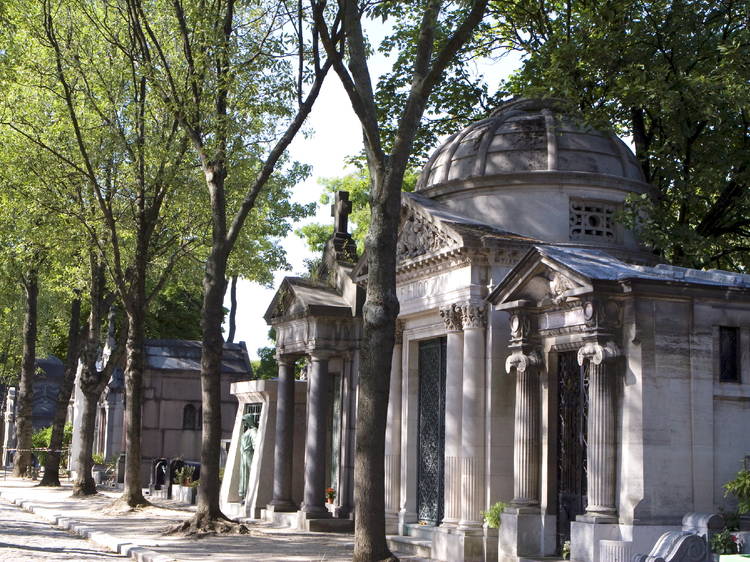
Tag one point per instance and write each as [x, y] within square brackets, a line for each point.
[543, 359]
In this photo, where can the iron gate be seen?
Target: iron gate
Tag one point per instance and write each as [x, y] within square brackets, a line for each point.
[572, 393]
[431, 439]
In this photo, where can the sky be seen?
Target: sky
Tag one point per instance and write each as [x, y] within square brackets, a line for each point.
[335, 135]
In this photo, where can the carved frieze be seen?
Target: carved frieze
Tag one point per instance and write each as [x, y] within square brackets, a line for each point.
[419, 236]
[473, 315]
[453, 317]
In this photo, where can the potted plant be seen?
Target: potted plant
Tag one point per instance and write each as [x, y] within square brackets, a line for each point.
[99, 470]
[740, 488]
[330, 495]
[184, 488]
[724, 543]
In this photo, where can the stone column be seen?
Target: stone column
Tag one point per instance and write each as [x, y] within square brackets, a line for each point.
[474, 320]
[393, 437]
[453, 388]
[284, 438]
[315, 438]
[601, 450]
[526, 440]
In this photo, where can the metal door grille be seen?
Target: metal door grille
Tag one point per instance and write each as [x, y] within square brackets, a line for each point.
[572, 395]
[431, 439]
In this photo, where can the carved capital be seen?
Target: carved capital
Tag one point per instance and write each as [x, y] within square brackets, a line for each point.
[597, 353]
[521, 361]
[520, 325]
[399, 332]
[473, 315]
[452, 317]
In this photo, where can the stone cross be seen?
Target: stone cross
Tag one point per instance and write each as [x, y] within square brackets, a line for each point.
[341, 209]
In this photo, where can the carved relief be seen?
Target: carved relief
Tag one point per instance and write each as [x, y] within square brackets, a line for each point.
[558, 285]
[520, 326]
[419, 236]
[474, 315]
[521, 361]
[597, 353]
[452, 316]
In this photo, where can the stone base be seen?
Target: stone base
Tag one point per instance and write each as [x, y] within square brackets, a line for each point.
[281, 507]
[520, 534]
[585, 536]
[391, 523]
[450, 544]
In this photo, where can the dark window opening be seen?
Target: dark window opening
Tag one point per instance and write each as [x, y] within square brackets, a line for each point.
[729, 354]
[188, 417]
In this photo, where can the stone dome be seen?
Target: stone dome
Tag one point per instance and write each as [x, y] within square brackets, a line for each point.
[529, 136]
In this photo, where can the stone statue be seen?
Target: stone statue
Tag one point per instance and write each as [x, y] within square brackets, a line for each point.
[247, 449]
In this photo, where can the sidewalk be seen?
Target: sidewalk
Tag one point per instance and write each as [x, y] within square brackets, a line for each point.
[139, 534]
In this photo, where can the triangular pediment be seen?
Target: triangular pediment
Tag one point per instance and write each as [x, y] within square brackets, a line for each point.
[540, 280]
[297, 297]
[421, 235]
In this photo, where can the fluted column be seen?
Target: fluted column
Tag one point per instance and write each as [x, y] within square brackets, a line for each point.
[601, 449]
[315, 438]
[473, 417]
[453, 388]
[526, 438]
[283, 444]
[393, 432]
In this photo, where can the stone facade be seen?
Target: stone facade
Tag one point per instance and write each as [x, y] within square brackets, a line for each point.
[541, 358]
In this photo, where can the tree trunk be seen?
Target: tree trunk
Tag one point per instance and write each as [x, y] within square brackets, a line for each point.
[24, 429]
[214, 286]
[232, 309]
[84, 484]
[379, 323]
[52, 463]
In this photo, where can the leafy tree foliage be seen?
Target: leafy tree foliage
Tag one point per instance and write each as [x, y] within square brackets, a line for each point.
[674, 76]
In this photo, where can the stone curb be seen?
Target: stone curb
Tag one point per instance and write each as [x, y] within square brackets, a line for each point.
[120, 546]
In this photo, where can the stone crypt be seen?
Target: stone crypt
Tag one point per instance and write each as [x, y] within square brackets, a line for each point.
[542, 359]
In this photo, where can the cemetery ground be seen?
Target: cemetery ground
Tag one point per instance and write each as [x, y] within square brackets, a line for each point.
[37, 531]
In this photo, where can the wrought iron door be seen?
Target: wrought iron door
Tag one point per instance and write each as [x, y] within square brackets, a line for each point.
[572, 396]
[431, 438]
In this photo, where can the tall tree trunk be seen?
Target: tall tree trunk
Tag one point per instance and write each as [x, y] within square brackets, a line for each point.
[132, 494]
[379, 315]
[52, 463]
[91, 381]
[214, 287]
[232, 309]
[22, 459]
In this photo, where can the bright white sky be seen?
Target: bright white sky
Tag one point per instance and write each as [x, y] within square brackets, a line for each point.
[335, 135]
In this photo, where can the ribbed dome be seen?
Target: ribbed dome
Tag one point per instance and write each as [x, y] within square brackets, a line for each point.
[528, 136]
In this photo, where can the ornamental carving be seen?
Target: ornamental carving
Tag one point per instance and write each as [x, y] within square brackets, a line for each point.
[597, 353]
[419, 236]
[520, 326]
[521, 361]
[558, 286]
[678, 546]
[473, 315]
[452, 316]
[399, 336]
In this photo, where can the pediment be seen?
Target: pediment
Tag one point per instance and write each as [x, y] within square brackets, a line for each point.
[298, 297]
[541, 281]
[420, 235]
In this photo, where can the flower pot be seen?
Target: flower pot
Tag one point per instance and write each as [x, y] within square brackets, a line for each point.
[329, 500]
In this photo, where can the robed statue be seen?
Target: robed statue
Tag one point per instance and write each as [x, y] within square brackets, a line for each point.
[247, 449]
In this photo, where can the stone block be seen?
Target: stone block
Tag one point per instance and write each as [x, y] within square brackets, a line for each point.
[520, 534]
[585, 537]
[450, 544]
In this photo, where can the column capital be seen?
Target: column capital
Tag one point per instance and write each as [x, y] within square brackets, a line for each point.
[399, 332]
[598, 353]
[473, 315]
[452, 317]
[285, 360]
[320, 355]
[522, 361]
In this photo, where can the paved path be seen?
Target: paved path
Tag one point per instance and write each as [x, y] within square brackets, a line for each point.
[24, 537]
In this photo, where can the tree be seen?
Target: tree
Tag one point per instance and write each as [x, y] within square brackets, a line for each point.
[674, 76]
[228, 85]
[440, 34]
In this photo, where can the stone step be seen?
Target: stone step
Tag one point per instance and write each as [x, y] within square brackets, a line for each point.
[421, 531]
[410, 545]
[329, 525]
[542, 559]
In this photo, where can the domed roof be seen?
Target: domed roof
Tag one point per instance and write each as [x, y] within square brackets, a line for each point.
[528, 136]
